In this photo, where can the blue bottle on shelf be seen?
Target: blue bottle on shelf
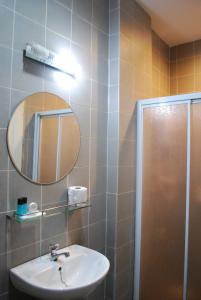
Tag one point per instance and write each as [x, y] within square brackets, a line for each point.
[22, 207]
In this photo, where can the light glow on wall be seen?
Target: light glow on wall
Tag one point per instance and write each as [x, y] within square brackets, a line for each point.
[67, 62]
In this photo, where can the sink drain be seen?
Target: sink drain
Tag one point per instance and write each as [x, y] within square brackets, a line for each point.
[61, 277]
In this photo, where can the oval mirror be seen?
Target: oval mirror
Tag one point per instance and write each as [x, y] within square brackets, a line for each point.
[43, 138]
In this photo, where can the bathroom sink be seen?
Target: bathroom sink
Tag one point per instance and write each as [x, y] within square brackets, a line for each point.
[70, 277]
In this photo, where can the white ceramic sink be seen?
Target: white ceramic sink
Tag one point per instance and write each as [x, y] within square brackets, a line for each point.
[80, 274]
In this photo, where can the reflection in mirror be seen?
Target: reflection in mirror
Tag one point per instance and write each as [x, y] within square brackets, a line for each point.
[44, 138]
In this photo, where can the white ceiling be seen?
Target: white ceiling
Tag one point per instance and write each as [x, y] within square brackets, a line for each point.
[175, 21]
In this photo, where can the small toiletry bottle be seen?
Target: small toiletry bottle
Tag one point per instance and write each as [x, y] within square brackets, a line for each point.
[25, 205]
[22, 207]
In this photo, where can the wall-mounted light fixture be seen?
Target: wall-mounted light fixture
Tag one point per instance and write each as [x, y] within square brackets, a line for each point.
[63, 62]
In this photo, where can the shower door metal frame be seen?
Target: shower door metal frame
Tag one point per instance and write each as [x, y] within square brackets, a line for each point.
[155, 102]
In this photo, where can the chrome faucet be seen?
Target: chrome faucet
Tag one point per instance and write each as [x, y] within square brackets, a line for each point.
[53, 252]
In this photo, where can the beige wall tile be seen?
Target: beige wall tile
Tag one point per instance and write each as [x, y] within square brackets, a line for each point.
[173, 53]
[186, 84]
[185, 50]
[197, 45]
[173, 69]
[173, 86]
[185, 67]
[198, 82]
[198, 64]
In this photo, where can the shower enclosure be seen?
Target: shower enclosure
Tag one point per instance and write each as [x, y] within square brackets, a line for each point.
[168, 205]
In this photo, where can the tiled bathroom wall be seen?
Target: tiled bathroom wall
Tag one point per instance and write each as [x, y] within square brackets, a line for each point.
[113, 142]
[138, 69]
[160, 67]
[185, 68]
[59, 25]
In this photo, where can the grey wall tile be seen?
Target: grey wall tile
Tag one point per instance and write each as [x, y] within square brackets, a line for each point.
[111, 206]
[35, 12]
[3, 150]
[100, 15]
[113, 104]
[34, 33]
[83, 58]
[30, 77]
[56, 43]
[56, 87]
[100, 43]
[19, 187]
[114, 21]
[5, 67]
[98, 209]
[98, 179]
[79, 237]
[114, 4]
[81, 32]
[125, 205]
[16, 98]
[99, 124]
[83, 157]
[22, 234]
[123, 285]
[83, 8]
[123, 257]
[113, 125]
[58, 18]
[114, 72]
[3, 274]
[98, 294]
[6, 27]
[3, 190]
[114, 45]
[113, 152]
[3, 233]
[4, 104]
[27, 75]
[97, 235]
[124, 231]
[8, 3]
[5, 296]
[98, 151]
[22, 255]
[99, 96]
[99, 69]
[67, 3]
[57, 83]
[79, 176]
[83, 115]
[54, 224]
[112, 180]
[54, 193]
[111, 233]
[77, 219]
[81, 93]
[111, 255]
[110, 287]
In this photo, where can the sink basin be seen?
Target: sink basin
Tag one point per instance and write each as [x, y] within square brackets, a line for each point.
[70, 277]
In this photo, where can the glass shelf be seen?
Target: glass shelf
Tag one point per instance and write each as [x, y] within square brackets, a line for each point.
[13, 216]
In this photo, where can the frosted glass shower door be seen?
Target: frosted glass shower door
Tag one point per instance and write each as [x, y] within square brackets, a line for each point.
[163, 202]
[194, 259]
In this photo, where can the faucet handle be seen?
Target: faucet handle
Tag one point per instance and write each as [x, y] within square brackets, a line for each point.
[53, 247]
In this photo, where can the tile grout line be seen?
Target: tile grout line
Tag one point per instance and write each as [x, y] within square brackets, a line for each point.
[90, 121]
[11, 83]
